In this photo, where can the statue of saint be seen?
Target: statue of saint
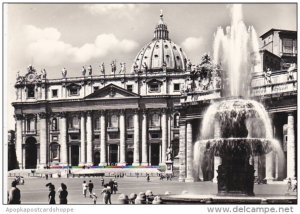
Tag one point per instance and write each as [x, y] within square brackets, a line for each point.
[83, 71]
[135, 68]
[90, 70]
[145, 67]
[64, 72]
[169, 153]
[44, 73]
[113, 67]
[189, 65]
[102, 68]
[123, 67]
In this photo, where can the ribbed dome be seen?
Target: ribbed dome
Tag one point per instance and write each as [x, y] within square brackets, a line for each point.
[161, 53]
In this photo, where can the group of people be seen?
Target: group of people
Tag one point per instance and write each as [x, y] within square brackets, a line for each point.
[109, 188]
[62, 194]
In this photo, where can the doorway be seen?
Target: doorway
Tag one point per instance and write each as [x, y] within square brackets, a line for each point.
[154, 154]
[30, 153]
[74, 155]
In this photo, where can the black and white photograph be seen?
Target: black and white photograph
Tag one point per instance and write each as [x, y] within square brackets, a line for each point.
[150, 103]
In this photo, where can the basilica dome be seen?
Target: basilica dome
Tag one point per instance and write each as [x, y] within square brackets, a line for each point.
[161, 53]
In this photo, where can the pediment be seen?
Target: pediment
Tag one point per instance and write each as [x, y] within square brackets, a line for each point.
[112, 91]
[73, 86]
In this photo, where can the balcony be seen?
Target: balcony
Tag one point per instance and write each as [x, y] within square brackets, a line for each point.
[154, 128]
[112, 129]
[54, 131]
[29, 132]
[73, 130]
[273, 89]
[195, 96]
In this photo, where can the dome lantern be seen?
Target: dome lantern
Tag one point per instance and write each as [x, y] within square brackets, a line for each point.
[161, 30]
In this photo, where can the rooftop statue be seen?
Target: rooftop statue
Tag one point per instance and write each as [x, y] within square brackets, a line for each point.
[44, 73]
[102, 68]
[123, 68]
[145, 67]
[83, 71]
[135, 68]
[64, 72]
[90, 69]
[113, 67]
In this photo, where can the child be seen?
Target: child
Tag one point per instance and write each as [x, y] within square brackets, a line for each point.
[94, 197]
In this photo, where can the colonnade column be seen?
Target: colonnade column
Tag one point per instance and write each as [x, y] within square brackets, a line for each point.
[122, 147]
[217, 160]
[164, 137]
[82, 139]
[63, 139]
[182, 155]
[291, 159]
[144, 139]
[102, 139]
[89, 139]
[19, 140]
[43, 140]
[136, 140]
[189, 148]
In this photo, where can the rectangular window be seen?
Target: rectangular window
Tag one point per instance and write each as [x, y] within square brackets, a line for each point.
[113, 136]
[96, 124]
[155, 135]
[129, 88]
[154, 87]
[176, 87]
[73, 91]
[30, 92]
[54, 92]
[129, 136]
[287, 46]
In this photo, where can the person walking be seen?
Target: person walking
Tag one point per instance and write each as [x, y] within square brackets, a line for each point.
[106, 194]
[148, 177]
[115, 187]
[51, 195]
[14, 194]
[63, 194]
[84, 188]
[94, 198]
[289, 184]
[91, 187]
[102, 181]
[111, 185]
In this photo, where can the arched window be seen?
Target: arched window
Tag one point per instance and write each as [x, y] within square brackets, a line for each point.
[129, 122]
[54, 124]
[176, 120]
[155, 120]
[114, 121]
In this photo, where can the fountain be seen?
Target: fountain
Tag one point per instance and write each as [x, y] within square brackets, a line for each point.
[236, 129]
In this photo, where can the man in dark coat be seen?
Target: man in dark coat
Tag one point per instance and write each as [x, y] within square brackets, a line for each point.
[91, 187]
[14, 194]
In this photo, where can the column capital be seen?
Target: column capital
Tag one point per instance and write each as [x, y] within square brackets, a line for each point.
[102, 112]
[19, 116]
[89, 113]
[122, 111]
[43, 115]
[136, 111]
[62, 114]
[145, 111]
[291, 113]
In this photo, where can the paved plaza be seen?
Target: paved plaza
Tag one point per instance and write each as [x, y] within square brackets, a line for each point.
[35, 192]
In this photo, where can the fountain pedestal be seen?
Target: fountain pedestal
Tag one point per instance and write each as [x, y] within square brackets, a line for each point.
[235, 177]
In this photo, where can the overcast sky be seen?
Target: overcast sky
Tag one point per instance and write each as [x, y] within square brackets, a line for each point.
[53, 36]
